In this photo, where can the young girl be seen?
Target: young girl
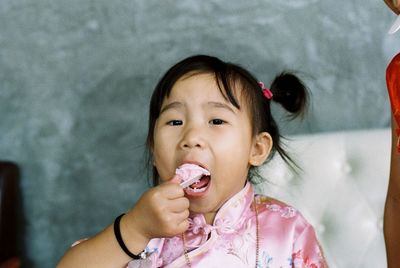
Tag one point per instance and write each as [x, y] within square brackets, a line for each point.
[214, 117]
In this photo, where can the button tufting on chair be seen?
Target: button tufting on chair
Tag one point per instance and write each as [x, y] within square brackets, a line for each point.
[341, 191]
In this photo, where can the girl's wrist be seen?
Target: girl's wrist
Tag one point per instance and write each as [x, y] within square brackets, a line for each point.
[134, 239]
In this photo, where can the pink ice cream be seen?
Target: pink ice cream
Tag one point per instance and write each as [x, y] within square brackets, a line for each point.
[191, 171]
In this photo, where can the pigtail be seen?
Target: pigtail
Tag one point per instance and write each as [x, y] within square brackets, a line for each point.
[291, 93]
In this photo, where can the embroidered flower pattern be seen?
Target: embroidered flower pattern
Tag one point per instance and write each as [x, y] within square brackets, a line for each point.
[266, 260]
[300, 261]
[285, 211]
[242, 244]
[233, 236]
[170, 253]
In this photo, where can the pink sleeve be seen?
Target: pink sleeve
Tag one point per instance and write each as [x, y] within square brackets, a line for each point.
[150, 262]
[306, 250]
[153, 260]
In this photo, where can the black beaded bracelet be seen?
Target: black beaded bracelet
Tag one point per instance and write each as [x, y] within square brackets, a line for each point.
[117, 233]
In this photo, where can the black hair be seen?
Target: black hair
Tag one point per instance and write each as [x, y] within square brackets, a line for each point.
[287, 89]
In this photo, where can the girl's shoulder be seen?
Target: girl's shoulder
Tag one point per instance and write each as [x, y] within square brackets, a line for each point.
[263, 199]
[283, 217]
[285, 225]
[276, 208]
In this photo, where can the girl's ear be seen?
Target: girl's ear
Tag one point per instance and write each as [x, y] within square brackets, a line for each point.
[261, 148]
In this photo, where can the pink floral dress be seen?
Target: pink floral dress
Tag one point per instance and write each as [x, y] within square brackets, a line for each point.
[286, 239]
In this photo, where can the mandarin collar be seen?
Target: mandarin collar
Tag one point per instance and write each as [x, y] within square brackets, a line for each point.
[229, 215]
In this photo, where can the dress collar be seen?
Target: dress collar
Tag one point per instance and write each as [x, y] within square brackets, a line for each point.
[227, 220]
[234, 208]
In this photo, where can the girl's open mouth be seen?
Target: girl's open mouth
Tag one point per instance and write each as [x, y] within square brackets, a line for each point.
[195, 179]
[199, 187]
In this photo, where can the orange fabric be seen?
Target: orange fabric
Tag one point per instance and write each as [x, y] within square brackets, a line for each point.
[393, 86]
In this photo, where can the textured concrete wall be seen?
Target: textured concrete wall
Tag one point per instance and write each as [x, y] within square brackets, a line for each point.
[76, 76]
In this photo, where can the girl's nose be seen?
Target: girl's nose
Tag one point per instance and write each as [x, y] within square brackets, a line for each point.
[193, 138]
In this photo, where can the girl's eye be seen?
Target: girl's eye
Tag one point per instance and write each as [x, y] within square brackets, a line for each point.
[217, 122]
[175, 123]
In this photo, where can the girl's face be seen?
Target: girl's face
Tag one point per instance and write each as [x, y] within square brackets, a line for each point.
[198, 125]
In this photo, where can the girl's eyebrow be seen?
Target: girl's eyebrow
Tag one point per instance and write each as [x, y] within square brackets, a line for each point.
[220, 105]
[172, 105]
[213, 104]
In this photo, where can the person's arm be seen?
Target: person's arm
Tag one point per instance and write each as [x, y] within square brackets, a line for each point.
[161, 212]
[394, 5]
[100, 251]
[306, 249]
[392, 205]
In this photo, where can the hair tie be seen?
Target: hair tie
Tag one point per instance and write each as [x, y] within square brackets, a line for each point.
[266, 91]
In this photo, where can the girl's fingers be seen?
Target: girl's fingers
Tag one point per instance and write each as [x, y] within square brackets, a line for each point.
[181, 216]
[171, 190]
[183, 225]
[179, 205]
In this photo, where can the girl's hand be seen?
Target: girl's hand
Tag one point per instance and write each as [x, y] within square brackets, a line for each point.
[394, 5]
[162, 211]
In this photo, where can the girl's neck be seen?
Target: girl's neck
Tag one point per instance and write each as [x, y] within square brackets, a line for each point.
[209, 217]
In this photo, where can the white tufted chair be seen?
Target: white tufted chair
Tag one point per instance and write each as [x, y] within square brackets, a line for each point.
[341, 191]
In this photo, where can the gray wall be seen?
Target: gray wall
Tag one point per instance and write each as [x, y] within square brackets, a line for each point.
[76, 77]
